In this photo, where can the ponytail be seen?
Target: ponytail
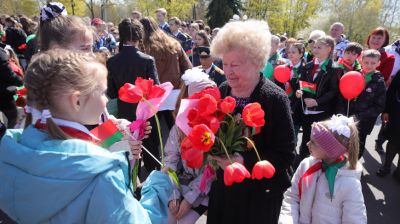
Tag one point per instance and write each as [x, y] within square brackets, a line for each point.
[353, 146]
[55, 131]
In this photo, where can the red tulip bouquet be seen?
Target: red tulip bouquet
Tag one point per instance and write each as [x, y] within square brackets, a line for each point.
[149, 98]
[212, 129]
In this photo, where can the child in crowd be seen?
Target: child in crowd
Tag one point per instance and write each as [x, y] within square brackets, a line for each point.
[70, 178]
[188, 203]
[57, 30]
[295, 53]
[326, 187]
[349, 61]
[371, 102]
[273, 59]
[319, 89]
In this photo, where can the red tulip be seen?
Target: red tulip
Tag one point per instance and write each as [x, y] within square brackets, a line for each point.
[193, 117]
[144, 84]
[214, 124]
[228, 105]
[194, 158]
[156, 92]
[202, 137]
[235, 173]
[130, 93]
[213, 91]
[207, 104]
[253, 115]
[263, 169]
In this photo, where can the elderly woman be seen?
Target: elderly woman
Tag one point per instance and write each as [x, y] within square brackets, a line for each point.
[244, 47]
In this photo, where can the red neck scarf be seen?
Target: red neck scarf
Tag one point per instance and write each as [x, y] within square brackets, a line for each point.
[73, 132]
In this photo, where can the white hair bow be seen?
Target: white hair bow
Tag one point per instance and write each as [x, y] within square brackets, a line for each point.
[340, 124]
[194, 75]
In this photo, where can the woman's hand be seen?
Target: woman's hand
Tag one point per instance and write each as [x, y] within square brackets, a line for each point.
[136, 148]
[184, 207]
[310, 102]
[223, 161]
[173, 206]
[147, 130]
[299, 93]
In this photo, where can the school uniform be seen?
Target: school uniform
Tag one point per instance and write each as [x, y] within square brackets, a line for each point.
[367, 106]
[324, 77]
[356, 66]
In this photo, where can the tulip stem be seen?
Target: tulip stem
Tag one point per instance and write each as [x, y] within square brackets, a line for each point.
[254, 146]
[158, 130]
[225, 150]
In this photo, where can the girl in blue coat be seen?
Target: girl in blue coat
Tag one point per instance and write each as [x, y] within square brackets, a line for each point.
[53, 172]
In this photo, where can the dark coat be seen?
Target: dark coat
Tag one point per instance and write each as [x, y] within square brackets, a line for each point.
[7, 79]
[15, 38]
[125, 67]
[258, 201]
[370, 103]
[392, 107]
[327, 86]
[217, 75]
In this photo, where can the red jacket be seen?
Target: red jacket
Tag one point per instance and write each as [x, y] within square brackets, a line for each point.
[386, 66]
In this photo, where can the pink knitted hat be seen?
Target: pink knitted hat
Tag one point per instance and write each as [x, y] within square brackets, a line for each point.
[327, 141]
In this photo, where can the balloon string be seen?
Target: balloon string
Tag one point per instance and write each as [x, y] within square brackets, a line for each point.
[348, 107]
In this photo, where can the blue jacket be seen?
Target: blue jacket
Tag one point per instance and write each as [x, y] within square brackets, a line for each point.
[45, 180]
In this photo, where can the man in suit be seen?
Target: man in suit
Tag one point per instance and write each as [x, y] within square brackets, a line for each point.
[125, 67]
[208, 65]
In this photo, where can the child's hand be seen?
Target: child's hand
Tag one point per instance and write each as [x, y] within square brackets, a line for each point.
[299, 93]
[184, 207]
[173, 206]
[147, 130]
[136, 148]
[310, 102]
[385, 117]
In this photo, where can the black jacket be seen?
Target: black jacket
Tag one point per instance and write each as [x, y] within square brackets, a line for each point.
[15, 38]
[249, 201]
[370, 103]
[327, 86]
[217, 75]
[125, 67]
[7, 79]
[392, 107]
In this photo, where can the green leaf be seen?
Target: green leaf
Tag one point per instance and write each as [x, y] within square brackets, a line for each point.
[174, 177]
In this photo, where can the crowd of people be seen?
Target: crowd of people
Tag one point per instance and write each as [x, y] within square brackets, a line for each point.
[52, 170]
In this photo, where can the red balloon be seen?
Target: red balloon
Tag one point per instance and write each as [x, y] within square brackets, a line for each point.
[282, 73]
[351, 85]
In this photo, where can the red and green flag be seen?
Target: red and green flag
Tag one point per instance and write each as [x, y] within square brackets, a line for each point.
[189, 52]
[308, 87]
[289, 90]
[108, 133]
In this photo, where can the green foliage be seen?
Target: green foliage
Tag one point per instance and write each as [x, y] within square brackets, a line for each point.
[220, 11]
[179, 8]
[358, 16]
[283, 16]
